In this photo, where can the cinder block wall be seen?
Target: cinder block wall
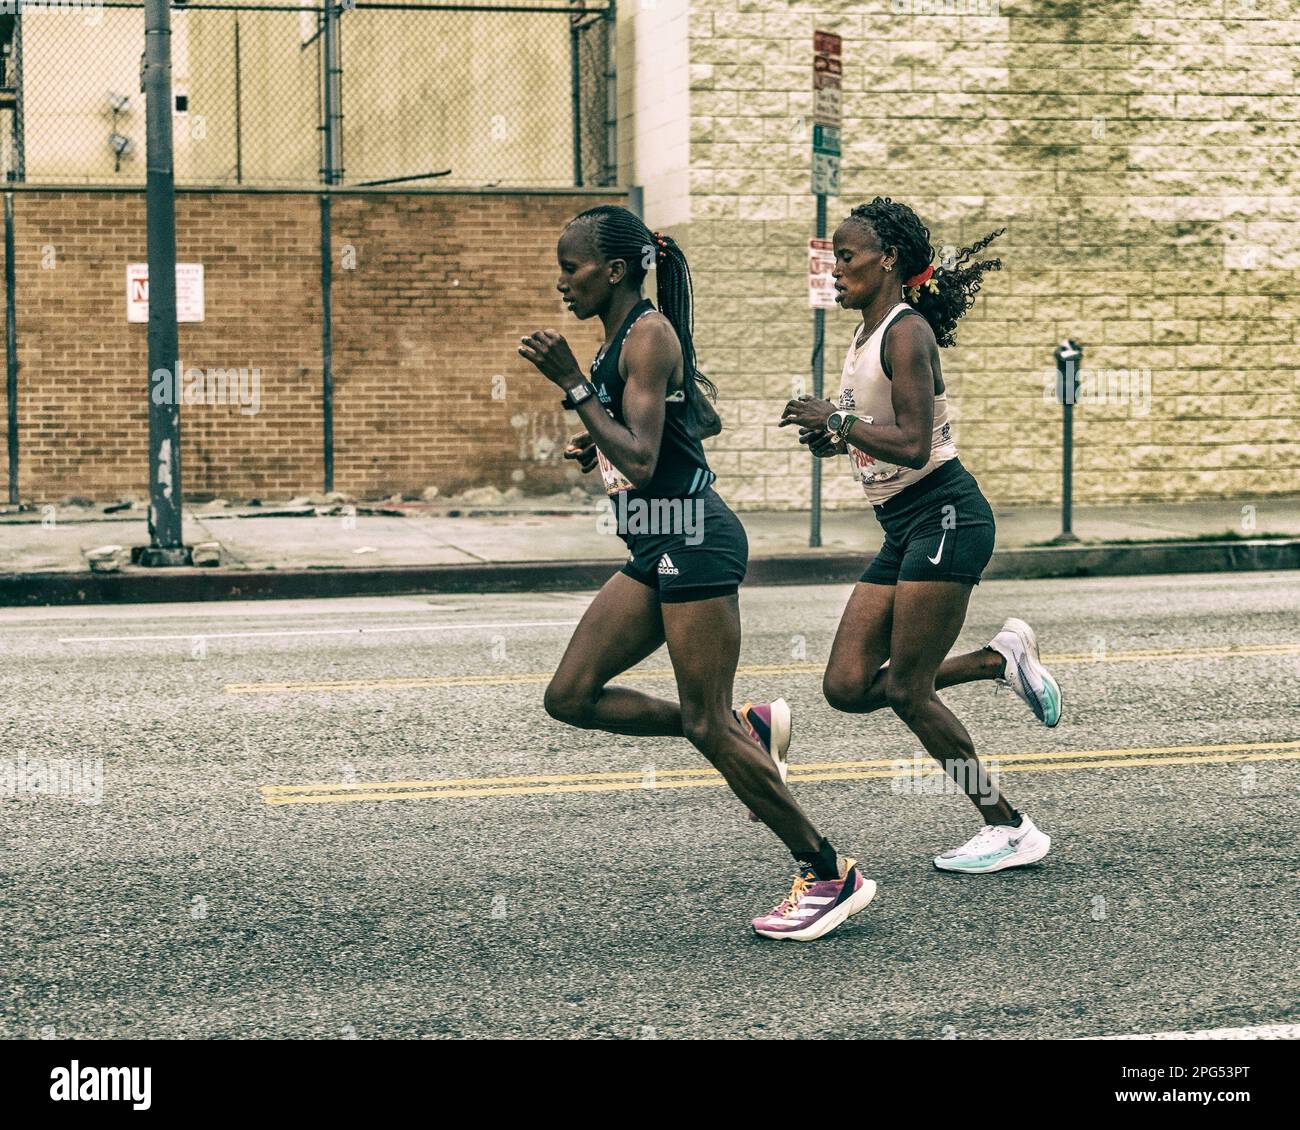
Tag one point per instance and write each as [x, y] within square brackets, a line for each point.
[1136, 152]
[431, 293]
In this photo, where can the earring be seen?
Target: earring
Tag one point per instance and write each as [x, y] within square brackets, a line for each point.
[889, 266]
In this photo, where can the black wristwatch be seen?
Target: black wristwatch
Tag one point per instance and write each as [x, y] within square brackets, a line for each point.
[576, 395]
[839, 423]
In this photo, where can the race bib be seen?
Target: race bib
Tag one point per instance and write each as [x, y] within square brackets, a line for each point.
[615, 480]
[868, 469]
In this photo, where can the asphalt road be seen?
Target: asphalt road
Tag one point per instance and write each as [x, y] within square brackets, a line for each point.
[201, 889]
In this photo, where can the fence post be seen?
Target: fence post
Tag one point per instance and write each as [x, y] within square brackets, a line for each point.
[11, 349]
[575, 98]
[17, 173]
[331, 174]
[611, 94]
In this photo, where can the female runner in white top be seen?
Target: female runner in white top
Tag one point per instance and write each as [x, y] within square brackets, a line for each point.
[905, 614]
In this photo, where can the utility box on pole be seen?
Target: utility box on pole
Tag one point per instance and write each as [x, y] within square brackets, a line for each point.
[166, 545]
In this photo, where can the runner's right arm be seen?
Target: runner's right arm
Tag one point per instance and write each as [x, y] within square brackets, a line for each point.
[582, 448]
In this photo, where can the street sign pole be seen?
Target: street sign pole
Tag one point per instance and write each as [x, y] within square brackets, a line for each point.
[166, 546]
[827, 76]
[818, 370]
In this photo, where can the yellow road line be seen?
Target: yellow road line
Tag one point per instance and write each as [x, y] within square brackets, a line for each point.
[635, 775]
[1244, 651]
[556, 784]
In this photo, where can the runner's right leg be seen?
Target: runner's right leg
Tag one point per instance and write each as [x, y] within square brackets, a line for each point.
[621, 627]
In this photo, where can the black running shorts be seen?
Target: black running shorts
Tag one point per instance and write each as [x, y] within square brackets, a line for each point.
[685, 549]
[940, 528]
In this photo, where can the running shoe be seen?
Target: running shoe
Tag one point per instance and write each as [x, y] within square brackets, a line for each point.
[995, 847]
[814, 907]
[768, 724]
[1024, 672]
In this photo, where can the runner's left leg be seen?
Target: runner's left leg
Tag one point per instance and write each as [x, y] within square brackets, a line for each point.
[928, 617]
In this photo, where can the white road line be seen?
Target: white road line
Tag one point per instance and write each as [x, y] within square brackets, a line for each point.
[1262, 1032]
[323, 631]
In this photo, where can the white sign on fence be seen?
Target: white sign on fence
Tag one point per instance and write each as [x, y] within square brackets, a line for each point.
[189, 292]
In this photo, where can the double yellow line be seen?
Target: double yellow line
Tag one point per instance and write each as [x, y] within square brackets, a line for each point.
[652, 777]
[1244, 651]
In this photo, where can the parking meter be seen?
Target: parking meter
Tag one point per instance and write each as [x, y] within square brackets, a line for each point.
[1069, 361]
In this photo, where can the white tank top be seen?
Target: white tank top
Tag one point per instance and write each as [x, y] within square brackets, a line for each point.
[867, 392]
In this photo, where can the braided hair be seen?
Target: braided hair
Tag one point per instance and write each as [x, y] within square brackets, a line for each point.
[950, 290]
[620, 234]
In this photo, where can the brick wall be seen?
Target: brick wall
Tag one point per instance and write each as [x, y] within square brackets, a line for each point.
[431, 293]
[1136, 154]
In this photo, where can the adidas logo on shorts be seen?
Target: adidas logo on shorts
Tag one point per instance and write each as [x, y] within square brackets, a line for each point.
[666, 566]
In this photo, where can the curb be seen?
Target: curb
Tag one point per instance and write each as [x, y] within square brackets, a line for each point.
[144, 586]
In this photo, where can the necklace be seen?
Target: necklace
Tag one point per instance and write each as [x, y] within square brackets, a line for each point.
[860, 341]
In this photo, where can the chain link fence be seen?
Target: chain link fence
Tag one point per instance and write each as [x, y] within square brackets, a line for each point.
[490, 93]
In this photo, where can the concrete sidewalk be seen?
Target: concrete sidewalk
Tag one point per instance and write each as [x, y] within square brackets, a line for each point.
[401, 534]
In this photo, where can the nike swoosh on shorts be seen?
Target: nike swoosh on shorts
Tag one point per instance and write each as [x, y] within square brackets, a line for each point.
[938, 553]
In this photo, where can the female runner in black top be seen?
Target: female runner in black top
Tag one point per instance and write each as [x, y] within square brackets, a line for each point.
[645, 413]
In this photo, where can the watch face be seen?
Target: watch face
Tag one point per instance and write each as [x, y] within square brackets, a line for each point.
[835, 422]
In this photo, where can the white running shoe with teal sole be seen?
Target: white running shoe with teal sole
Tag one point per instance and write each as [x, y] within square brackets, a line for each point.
[995, 847]
[1025, 673]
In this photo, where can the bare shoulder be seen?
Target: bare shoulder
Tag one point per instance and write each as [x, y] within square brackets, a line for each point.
[911, 332]
[651, 345]
[911, 346]
[653, 332]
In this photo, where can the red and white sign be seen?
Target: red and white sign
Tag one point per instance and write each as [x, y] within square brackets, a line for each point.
[189, 292]
[827, 43]
[821, 284]
[828, 70]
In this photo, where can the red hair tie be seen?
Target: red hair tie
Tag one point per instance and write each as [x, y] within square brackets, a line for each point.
[923, 277]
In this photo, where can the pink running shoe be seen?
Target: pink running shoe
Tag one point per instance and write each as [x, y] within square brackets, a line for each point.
[814, 907]
[768, 724]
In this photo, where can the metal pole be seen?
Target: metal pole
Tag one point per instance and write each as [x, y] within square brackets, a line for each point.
[818, 358]
[327, 342]
[19, 124]
[165, 497]
[611, 96]
[17, 173]
[575, 83]
[331, 174]
[1067, 473]
[333, 164]
[239, 109]
[11, 349]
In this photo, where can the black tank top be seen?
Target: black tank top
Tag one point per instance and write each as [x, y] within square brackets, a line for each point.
[682, 470]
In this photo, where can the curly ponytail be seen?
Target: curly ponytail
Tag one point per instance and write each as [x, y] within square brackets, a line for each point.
[620, 234]
[941, 293]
